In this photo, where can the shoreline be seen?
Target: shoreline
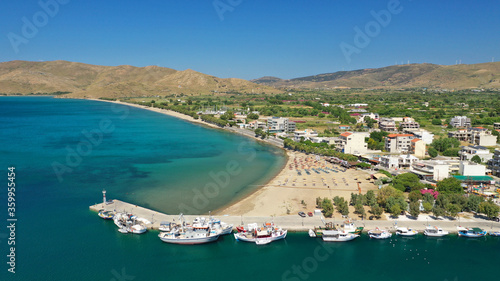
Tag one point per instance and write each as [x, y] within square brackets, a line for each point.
[200, 122]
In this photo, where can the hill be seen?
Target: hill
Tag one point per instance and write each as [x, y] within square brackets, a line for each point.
[94, 81]
[463, 76]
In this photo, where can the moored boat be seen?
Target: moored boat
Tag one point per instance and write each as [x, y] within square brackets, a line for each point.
[348, 226]
[267, 231]
[379, 233]
[403, 231]
[107, 215]
[434, 231]
[472, 232]
[495, 233]
[338, 236]
[189, 235]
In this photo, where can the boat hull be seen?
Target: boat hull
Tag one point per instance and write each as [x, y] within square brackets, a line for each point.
[340, 239]
[189, 241]
[240, 237]
[471, 235]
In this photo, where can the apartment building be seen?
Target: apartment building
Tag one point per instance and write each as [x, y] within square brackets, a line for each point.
[460, 122]
[387, 124]
[477, 136]
[352, 143]
[280, 125]
[398, 143]
[418, 148]
[422, 134]
[306, 134]
[467, 152]
[494, 163]
[398, 162]
[435, 170]
[409, 123]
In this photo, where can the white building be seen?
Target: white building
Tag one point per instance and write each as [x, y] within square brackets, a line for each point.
[280, 124]
[435, 169]
[352, 143]
[398, 162]
[460, 122]
[494, 163]
[422, 134]
[472, 169]
[467, 152]
[306, 134]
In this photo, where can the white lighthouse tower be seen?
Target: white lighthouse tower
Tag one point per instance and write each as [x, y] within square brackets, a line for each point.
[103, 196]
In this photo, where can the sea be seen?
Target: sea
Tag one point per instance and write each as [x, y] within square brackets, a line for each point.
[66, 151]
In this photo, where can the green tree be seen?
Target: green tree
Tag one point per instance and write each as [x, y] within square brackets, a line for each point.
[432, 152]
[436, 122]
[427, 207]
[327, 207]
[370, 198]
[438, 211]
[253, 116]
[415, 208]
[321, 115]
[395, 210]
[415, 195]
[385, 193]
[449, 185]
[476, 159]
[408, 181]
[376, 210]
[473, 203]
[489, 208]
[452, 210]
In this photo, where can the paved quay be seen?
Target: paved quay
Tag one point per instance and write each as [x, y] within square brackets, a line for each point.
[293, 222]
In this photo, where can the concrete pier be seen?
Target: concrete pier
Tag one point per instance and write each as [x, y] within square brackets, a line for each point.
[293, 222]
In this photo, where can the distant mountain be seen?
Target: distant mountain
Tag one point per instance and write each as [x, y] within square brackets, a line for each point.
[94, 81]
[484, 75]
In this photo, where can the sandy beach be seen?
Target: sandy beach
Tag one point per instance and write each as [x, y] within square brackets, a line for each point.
[289, 193]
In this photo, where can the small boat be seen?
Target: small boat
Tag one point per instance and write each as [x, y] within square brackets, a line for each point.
[165, 226]
[349, 226]
[312, 233]
[379, 233]
[495, 233]
[403, 231]
[434, 231]
[123, 230]
[189, 235]
[472, 232]
[107, 215]
[137, 229]
[338, 236]
[267, 231]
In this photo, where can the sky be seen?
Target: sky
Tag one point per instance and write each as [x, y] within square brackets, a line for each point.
[252, 38]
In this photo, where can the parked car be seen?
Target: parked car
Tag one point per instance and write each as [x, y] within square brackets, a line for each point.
[310, 214]
[302, 214]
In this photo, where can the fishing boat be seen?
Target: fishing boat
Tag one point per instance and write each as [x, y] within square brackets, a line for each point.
[349, 226]
[267, 231]
[403, 231]
[189, 235]
[434, 231]
[107, 215]
[379, 233]
[338, 236]
[318, 231]
[123, 229]
[495, 233]
[214, 224]
[472, 232]
[137, 229]
[165, 226]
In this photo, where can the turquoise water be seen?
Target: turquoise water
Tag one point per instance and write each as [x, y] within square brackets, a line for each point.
[161, 162]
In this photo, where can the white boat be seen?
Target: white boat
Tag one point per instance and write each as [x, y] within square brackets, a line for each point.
[349, 226]
[189, 235]
[434, 231]
[338, 236]
[495, 233]
[269, 231]
[403, 231]
[123, 229]
[214, 224]
[472, 232]
[379, 233]
[312, 233]
[165, 226]
[107, 215]
[137, 229]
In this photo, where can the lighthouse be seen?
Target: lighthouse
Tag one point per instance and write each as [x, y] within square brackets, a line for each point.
[103, 196]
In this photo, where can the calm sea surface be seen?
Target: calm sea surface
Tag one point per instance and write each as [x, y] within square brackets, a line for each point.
[66, 151]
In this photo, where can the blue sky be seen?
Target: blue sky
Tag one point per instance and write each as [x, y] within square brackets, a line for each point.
[251, 39]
